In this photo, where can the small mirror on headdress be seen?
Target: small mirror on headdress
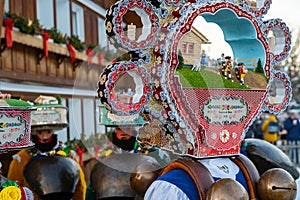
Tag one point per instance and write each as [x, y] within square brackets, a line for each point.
[136, 23]
[129, 88]
[255, 4]
[277, 92]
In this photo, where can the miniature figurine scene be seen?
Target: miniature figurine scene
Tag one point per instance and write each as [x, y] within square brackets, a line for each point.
[226, 70]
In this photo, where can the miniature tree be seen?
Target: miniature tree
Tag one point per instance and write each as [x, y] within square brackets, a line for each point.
[180, 60]
[259, 67]
[58, 97]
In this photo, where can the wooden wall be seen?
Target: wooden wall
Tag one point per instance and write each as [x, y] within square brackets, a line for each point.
[25, 61]
[190, 37]
[25, 8]
[91, 27]
[105, 3]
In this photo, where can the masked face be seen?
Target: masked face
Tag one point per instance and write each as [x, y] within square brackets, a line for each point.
[125, 133]
[44, 140]
[44, 136]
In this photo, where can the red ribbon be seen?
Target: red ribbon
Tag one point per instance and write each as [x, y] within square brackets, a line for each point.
[89, 53]
[101, 57]
[72, 52]
[114, 60]
[9, 25]
[80, 152]
[46, 37]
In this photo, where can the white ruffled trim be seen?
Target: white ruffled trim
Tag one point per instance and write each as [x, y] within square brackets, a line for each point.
[221, 167]
[160, 189]
[17, 157]
[28, 193]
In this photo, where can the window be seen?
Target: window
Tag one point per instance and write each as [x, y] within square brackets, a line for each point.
[99, 128]
[78, 21]
[102, 33]
[187, 48]
[75, 23]
[75, 118]
[45, 13]
[191, 48]
[184, 48]
[6, 6]
[88, 117]
[63, 16]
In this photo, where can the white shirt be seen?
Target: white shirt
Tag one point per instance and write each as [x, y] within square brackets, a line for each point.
[218, 167]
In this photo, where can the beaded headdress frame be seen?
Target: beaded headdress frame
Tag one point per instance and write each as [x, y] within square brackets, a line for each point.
[199, 121]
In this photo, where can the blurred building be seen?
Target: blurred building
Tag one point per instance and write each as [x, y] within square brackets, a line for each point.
[26, 72]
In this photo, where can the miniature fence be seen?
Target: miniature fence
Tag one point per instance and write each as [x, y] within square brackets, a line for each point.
[249, 63]
[292, 151]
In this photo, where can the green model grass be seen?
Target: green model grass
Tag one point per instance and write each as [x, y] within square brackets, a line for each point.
[16, 103]
[21, 103]
[205, 79]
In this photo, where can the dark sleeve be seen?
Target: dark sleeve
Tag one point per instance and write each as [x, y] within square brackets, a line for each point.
[287, 124]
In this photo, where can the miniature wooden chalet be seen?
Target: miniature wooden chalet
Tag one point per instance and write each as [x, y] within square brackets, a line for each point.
[191, 46]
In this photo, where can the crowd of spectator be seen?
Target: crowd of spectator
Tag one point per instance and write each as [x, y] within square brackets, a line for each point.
[283, 129]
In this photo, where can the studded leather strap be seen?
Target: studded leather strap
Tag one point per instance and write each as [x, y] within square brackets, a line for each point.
[250, 173]
[198, 172]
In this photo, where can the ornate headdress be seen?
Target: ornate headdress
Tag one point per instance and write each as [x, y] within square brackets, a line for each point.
[15, 124]
[210, 120]
[49, 114]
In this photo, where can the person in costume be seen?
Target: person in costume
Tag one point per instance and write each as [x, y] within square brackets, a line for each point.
[117, 174]
[221, 60]
[170, 184]
[226, 68]
[46, 144]
[190, 178]
[10, 189]
[124, 138]
[292, 126]
[271, 129]
[242, 72]
[203, 61]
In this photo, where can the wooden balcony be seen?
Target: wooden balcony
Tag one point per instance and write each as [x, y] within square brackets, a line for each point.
[26, 61]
